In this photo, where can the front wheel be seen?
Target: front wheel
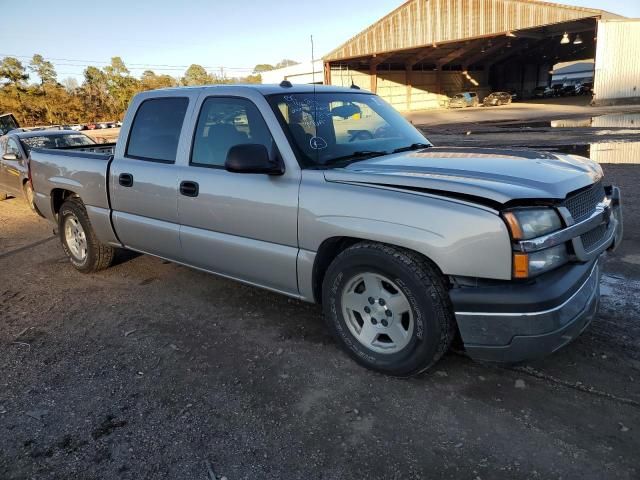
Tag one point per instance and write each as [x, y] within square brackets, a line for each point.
[388, 308]
[86, 253]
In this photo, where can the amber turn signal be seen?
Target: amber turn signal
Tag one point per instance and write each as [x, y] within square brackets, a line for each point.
[514, 226]
[520, 265]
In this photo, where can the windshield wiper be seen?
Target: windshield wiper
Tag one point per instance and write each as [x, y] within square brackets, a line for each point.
[413, 146]
[359, 155]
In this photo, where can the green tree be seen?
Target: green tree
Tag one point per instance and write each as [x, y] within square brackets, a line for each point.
[262, 67]
[43, 69]
[47, 74]
[285, 62]
[196, 75]
[151, 81]
[95, 94]
[120, 85]
[12, 70]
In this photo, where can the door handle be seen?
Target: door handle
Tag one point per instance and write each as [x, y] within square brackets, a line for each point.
[126, 180]
[189, 188]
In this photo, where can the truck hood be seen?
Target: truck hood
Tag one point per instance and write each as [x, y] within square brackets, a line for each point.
[493, 174]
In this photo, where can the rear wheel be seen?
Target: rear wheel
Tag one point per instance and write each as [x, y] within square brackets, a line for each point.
[388, 308]
[86, 253]
[28, 195]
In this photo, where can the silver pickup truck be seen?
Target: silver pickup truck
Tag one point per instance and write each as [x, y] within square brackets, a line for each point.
[328, 195]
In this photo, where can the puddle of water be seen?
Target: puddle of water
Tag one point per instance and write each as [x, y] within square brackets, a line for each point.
[605, 152]
[616, 120]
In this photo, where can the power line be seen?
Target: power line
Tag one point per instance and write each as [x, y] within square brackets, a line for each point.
[131, 66]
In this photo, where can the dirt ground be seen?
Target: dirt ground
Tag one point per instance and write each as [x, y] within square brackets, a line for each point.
[150, 370]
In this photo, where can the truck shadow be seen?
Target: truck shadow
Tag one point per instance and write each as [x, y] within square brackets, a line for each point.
[123, 256]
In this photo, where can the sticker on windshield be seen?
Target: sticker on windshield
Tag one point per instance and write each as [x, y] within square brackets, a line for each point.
[318, 143]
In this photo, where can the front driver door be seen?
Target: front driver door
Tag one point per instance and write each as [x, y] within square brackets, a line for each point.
[240, 225]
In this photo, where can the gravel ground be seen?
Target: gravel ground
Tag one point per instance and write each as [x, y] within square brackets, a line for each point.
[153, 370]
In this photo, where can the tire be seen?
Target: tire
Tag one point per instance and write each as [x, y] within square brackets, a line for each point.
[28, 195]
[415, 336]
[86, 253]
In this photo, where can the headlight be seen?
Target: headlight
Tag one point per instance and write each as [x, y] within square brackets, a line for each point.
[527, 223]
[527, 265]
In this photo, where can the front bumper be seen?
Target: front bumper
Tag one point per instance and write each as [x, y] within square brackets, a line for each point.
[519, 321]
[527, 321]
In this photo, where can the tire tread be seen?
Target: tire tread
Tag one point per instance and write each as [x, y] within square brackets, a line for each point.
[103, 254]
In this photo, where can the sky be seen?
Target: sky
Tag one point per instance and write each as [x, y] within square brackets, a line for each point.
[167, 36]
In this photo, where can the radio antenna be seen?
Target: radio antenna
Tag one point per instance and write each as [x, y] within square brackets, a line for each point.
[315, 96]
[313, 61]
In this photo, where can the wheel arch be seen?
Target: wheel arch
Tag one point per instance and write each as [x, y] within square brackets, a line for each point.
[332, 247]
[58, 197]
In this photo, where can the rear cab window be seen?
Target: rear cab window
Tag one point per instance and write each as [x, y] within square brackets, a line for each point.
[155, 132]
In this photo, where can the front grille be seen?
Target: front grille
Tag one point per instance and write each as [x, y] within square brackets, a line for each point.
[593, 237]
[583, 204]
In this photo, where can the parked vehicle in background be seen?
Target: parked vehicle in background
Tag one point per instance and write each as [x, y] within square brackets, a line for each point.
[7, 123]
[569, 90]
[77, 127]
[14, 157]
[585, 88]
[557, 89]
[464, 99]
[497, 98]
[403, 243]
[542, 92]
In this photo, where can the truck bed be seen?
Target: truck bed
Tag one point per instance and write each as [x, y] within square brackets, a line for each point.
[97, 148]
[77, 170]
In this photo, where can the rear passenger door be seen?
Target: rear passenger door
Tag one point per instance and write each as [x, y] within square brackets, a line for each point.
[240, 225]
[143, 178]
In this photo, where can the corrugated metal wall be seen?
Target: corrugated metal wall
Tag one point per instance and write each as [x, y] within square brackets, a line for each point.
[616, 152]
[617, 74]
[419, 23]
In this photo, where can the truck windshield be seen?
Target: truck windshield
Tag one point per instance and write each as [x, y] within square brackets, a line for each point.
[56, 141]
[333, 129]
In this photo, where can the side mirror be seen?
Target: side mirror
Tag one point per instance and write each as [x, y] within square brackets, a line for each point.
[10, 156]
[252, 158]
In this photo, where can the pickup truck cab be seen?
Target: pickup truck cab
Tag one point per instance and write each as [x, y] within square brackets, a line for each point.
[406, 245]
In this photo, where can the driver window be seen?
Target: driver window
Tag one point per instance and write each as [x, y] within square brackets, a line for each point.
[224, 123]
[357, 122]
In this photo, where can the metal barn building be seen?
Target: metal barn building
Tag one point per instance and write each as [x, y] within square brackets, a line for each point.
[427, 50]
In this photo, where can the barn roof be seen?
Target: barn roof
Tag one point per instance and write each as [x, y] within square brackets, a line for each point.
[422, 23]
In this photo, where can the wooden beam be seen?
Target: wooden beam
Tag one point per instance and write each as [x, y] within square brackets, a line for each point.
[373, 74]
[488, 52]
[378, 59]
[422, 55]
[506, 54]
[408, 70]
[454, 55]
[327, 73]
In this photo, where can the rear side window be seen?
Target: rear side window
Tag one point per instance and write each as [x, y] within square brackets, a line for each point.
[156, 129]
